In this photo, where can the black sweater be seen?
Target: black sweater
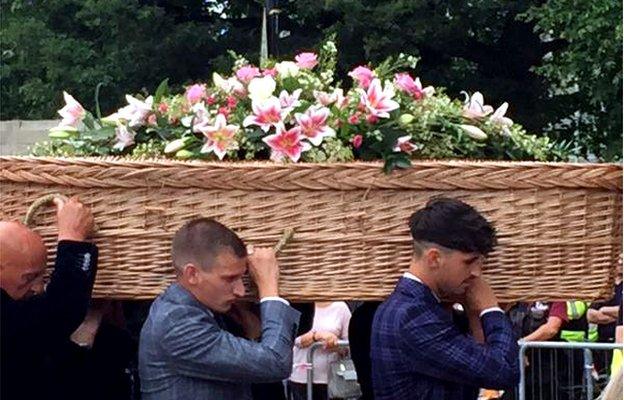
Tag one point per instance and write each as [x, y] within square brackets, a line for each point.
[31, 327]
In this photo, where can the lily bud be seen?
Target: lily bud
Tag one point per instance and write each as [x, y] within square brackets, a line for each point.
[406, 119]
[176, 145]
[184, 154]
[62, 132]
[474, 132]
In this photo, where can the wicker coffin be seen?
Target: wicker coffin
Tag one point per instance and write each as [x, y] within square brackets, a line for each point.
[559, 225]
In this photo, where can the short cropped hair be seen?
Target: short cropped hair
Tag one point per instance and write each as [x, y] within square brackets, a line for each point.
[452, 224]
[201, 240]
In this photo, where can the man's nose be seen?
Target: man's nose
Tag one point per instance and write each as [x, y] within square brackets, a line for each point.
[476, 270]
[38, 286]
[239, 288]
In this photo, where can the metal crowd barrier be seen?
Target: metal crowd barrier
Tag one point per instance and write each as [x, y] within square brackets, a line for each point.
[587, 387]
[576, 389]
[310, 364]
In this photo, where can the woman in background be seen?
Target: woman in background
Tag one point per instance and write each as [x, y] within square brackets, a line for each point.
[331, 323]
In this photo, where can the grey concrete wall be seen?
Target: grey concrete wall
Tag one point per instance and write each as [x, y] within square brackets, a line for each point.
[17, 135]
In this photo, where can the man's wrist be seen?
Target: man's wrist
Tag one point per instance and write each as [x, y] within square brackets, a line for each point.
[71, 237]
[270, 291]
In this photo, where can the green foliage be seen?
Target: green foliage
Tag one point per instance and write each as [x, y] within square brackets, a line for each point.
[153, 148]
[49, 46]
[585, 75]
[331, 150]
[560, 68]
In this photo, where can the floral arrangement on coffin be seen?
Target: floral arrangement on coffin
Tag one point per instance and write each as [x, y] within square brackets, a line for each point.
[293, 111]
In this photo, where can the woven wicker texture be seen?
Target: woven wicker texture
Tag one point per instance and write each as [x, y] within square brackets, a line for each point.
[559, 225]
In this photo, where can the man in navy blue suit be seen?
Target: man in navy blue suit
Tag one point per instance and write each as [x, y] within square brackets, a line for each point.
[417, 350]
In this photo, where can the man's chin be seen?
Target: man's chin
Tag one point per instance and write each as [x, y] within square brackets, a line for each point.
[455, 295]
[225, 307]
[25, 296]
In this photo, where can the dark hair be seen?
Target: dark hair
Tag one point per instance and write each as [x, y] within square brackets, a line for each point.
[452, 224]
[201, 240]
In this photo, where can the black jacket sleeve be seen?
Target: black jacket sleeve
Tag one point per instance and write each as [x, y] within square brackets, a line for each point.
[61, 309]
[307, 317]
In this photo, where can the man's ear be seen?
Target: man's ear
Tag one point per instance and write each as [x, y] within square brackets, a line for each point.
[432, 257]
[190, 274]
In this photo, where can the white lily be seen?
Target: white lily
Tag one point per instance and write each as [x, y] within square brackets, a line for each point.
[499, 119]
[475, 107]
[202, 117]
[72, 113]
[261, 89]
[136, 111]
[290, 101]
[124, 136]
[287, 69]
[230, 85]
[404, 144]
[220, 82]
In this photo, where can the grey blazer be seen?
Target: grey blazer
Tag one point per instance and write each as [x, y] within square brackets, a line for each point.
[184, 353]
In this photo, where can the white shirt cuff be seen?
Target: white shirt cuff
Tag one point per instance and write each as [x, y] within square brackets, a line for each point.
[491, 309]
[268, 298]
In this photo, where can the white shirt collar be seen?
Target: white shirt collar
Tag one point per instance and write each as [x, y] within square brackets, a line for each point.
[413, 277]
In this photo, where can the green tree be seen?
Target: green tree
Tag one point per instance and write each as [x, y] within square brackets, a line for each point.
[585, 75]
[557, 62]
[464, 46]
[73, 45]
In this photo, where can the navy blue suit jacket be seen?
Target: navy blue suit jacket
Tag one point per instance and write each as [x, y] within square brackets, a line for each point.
[417, 352]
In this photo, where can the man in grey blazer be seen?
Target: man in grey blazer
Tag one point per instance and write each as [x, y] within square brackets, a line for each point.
[184, 351]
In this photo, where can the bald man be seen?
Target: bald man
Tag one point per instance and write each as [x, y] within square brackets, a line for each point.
[34, 320]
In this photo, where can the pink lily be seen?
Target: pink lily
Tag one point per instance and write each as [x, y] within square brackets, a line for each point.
[267, 113]
[286, 144]
[474, 107]
[195, 93]
[247, 73]
[404, 144]
[124, 136]
[363, 75]
[72, 112]
[313, 124]
[290, 102]
[378, 102]
[219, 137]
[306, 60]
[413, 87]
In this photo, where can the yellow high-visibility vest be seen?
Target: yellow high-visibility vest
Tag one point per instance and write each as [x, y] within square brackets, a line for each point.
[616, 362]
[575, 310]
